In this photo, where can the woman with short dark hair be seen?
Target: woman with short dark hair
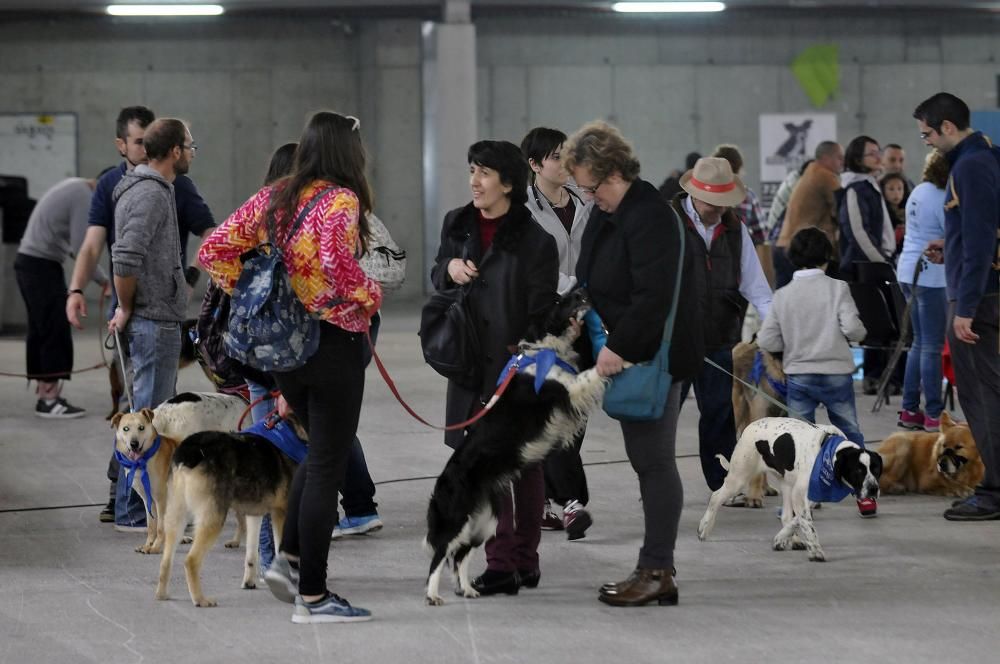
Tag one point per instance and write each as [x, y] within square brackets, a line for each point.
[510, 268]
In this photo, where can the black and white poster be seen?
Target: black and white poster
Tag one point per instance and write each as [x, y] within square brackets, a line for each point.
[786, 141]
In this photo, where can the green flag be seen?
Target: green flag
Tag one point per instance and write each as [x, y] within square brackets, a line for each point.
[818, 72]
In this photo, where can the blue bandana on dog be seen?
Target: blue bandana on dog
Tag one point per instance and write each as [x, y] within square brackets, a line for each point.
[758, 370]
[545, 359]
[282, 435]
[824, 487]
[140, 464]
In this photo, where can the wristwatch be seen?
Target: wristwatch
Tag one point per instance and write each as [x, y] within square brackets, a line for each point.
[74, 290]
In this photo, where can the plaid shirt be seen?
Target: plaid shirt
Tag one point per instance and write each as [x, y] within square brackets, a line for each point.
[750, 214]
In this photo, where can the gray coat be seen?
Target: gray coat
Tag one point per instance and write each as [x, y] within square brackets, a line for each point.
[147, 245]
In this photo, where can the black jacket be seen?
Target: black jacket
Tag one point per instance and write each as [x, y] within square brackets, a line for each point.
[516, 287]
[628, 263]
[726, 306]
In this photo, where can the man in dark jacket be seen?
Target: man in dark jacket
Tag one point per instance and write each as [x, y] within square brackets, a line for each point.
[972, 221]
[734, 277]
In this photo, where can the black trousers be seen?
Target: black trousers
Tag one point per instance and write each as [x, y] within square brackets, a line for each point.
[977, 376]
[326, 395]
[565, 479]
[50, 341]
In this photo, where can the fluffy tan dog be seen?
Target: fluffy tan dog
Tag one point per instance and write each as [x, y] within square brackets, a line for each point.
[749, 406]
[939, 464]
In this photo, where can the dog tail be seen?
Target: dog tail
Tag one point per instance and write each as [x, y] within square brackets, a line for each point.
[723, 461]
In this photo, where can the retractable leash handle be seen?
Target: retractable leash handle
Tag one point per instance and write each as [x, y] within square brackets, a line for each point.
[121, 359]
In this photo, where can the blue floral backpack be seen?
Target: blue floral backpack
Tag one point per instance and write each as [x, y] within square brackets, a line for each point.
[269, 327]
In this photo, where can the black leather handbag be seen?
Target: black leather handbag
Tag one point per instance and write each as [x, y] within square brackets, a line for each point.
[449, 340]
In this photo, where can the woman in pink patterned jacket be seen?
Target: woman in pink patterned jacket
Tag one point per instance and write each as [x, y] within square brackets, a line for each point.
[326, 392]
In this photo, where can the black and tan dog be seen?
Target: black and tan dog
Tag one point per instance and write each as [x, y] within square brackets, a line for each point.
[211, 473]
[529, 420]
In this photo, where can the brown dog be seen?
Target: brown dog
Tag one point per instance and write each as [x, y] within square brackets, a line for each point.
[749, 406]
[939, 464]
[135, 436]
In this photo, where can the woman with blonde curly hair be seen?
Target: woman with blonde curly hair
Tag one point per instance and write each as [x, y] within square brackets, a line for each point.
[628, 263]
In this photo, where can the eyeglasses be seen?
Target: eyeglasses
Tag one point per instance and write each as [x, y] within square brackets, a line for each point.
[872, 153]
[590, 191]
[924, 135]
[193, 147]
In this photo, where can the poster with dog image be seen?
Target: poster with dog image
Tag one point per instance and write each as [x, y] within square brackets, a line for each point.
[787, 140]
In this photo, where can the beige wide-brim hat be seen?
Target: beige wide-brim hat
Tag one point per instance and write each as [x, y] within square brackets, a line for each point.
[712, 181]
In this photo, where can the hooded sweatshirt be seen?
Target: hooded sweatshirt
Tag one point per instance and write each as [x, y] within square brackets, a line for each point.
[147, 245]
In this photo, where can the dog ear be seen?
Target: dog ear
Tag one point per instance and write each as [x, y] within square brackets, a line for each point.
[116, 419]
[946, 421]
[148, 414]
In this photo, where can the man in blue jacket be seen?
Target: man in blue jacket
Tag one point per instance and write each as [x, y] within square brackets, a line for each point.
[972, 223]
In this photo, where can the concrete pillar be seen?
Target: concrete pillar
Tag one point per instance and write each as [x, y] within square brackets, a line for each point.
[449, 115]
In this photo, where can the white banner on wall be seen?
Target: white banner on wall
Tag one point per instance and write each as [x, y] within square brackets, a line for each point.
[786, 141]
[38, 146]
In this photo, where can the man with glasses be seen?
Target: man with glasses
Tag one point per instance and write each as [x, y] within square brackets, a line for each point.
[972, 222]
[146, 258]
[125, 508]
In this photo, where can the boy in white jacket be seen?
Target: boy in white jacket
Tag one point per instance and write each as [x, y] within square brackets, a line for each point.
[811, 321]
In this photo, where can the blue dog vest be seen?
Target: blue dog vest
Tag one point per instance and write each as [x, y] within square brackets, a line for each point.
[824, 487]
[757, 371]
[545, 359]
[140, 465]
[281, 435]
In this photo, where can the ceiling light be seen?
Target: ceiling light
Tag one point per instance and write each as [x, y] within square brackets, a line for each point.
[668, 7]
[165, 10]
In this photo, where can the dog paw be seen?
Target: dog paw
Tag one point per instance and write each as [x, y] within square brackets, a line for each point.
[817, 557]
[434, 601]
[232, 544]
[471, 593]
[187, 539]
[249, 585]
[755, 503]
[781, 545]
[771, 492]
[798, 546]
[162, 595]
[145, 548]
[205, 602]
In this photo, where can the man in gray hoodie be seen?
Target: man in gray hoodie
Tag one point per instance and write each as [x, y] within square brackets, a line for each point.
[146, 258]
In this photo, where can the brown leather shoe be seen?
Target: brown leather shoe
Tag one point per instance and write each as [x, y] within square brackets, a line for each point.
[613, 586]
[643, 587]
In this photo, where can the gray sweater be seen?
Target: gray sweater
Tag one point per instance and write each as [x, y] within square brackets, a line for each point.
[58, 224]
[808, 321]
[147, 245]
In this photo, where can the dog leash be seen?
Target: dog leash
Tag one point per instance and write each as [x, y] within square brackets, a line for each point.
[760, 392]
[121, 359]
[501, 388]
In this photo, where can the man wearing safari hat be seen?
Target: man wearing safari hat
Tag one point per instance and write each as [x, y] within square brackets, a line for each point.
[735, 276]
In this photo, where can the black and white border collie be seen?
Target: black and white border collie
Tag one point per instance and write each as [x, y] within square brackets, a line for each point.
[522, 428]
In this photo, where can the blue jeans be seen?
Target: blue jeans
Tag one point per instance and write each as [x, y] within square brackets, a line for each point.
[929, 319]
[835, 392]
[154, 349]
[716, 424]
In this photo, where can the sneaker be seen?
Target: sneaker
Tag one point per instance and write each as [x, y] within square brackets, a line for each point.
[331, 609]
[59, 409]
[912, 419]
[867, 508]
[972, 509]
[550, 520]
[576, 520]
[932, 424]
[107, 515]
[130, 527]
[283, 580]
[357, 525]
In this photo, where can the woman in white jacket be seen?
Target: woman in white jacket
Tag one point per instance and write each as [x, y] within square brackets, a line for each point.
[560, 209]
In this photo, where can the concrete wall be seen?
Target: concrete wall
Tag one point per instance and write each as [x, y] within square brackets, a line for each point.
[246, 85]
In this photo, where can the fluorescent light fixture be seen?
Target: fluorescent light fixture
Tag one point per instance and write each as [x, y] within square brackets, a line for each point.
[165, 10]
[668, 7]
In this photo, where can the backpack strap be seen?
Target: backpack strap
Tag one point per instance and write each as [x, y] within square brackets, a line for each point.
[272, 231]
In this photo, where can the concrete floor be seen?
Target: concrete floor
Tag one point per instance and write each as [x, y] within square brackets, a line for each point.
[905, 587]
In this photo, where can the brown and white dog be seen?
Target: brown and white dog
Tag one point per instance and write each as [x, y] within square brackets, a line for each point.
[749, 405]
[171, 422]
[938, 464]
[787, 449]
